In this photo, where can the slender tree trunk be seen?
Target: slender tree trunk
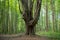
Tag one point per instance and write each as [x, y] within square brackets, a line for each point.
[46, 15]
[53, 13]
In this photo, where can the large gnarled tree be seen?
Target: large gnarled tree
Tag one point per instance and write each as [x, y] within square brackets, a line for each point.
[27, 12]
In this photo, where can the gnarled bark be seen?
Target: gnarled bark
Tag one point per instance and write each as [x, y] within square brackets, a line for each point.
[27, 14]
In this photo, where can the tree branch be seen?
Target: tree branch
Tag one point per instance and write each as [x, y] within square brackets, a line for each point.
[24, 12]
[37, 13]
[27, 12]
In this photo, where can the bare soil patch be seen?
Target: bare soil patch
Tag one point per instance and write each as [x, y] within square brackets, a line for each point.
[24, 37]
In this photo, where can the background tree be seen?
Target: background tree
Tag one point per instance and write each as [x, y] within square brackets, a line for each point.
[47, 15]
[53, 12]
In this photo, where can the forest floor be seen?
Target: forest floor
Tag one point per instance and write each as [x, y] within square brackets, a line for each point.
[25, 37]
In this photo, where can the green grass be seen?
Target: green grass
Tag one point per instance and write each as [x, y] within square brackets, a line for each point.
[49, 34]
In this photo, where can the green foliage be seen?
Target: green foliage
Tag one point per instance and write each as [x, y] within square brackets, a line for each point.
[11, 20]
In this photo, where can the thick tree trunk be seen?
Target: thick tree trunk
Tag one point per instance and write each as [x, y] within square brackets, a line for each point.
[30, 30]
